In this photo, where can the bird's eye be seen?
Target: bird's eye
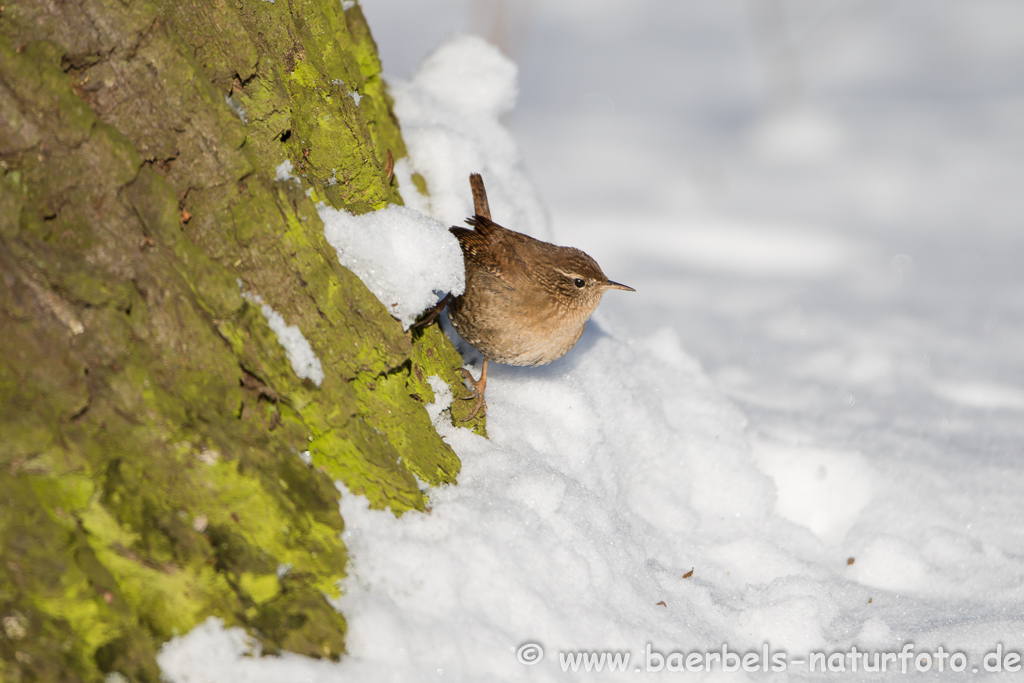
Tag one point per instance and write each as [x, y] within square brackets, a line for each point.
[579, 282]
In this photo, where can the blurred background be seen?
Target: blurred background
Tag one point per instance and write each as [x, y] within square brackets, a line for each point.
[822, 198]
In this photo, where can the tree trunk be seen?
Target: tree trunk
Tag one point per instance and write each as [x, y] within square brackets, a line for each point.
[154, 438]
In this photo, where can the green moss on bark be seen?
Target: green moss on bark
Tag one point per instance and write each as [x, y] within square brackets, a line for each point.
[153, 430]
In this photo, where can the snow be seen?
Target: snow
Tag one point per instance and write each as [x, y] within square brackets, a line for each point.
[407, 259]
[356, 97]
[236, 107]
[813, 399]
[283, 172]
[300, 354]
[449, 113]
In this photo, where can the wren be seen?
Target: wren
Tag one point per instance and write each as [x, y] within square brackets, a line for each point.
[526, 301]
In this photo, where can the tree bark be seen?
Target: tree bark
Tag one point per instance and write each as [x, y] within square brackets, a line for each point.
[154, 438]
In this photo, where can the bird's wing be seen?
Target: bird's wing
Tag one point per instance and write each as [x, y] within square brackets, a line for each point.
[474, 244]
[489, 246]
[484, 225]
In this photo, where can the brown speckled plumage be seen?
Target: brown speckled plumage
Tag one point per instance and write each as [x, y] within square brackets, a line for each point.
[522, 304]
[526, 302]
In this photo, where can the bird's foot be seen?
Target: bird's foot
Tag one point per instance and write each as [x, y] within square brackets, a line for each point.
[432, 313]
[477, 386]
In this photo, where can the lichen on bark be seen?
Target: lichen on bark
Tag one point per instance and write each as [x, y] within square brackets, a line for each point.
[151, 426]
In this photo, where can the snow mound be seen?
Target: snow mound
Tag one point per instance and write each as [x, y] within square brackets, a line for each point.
[449, 113]
[406, 259]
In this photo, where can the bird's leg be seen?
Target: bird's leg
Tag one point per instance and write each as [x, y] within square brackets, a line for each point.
[480, 208]
[478, 386]
[432, 313]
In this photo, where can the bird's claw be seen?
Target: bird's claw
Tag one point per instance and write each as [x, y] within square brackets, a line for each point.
[477, 387]
[480, 407]
[432, 314]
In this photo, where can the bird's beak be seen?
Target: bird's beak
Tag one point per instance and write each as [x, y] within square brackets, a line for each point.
[616, 285]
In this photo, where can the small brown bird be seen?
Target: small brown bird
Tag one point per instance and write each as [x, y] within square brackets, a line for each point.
[526, 301]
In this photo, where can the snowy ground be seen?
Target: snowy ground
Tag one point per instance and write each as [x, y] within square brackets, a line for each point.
[820, 210]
